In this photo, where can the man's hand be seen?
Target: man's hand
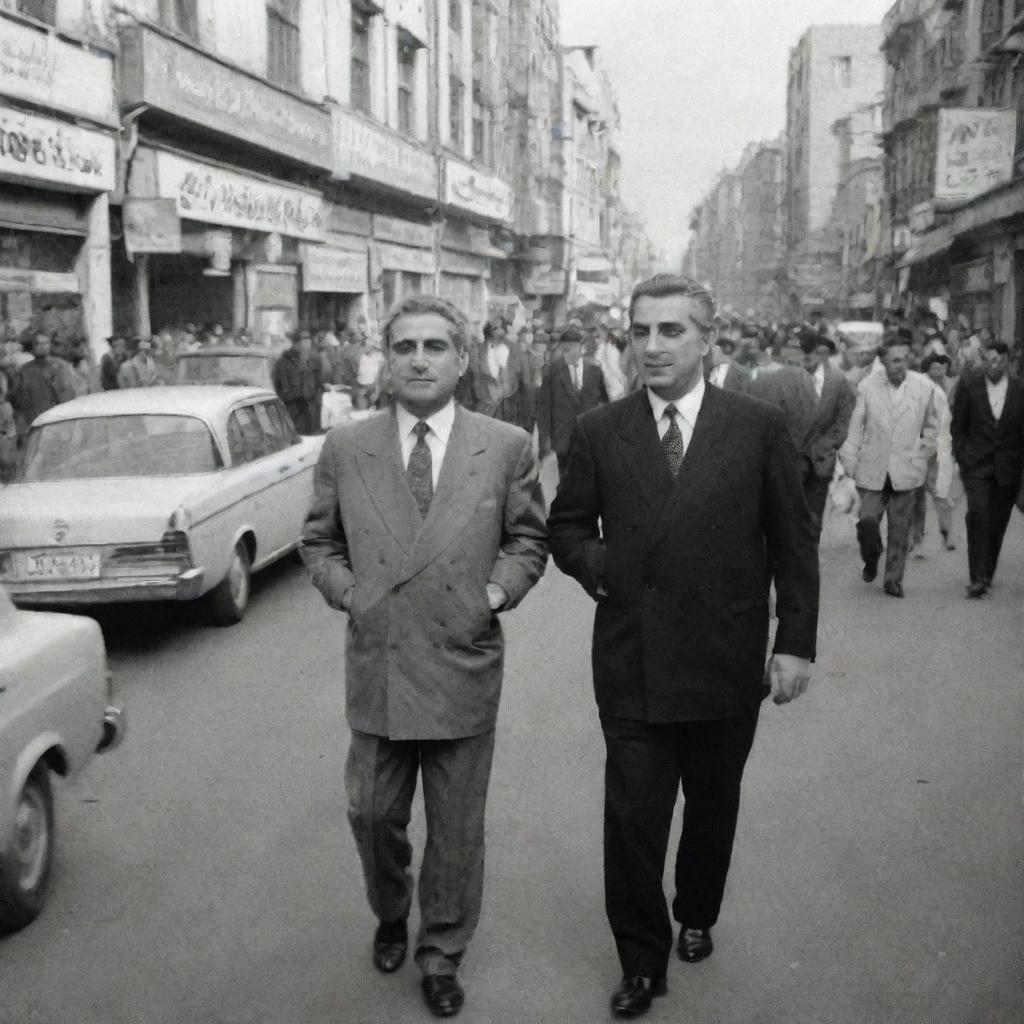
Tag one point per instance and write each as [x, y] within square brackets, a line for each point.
[496, 596]
[788, 677]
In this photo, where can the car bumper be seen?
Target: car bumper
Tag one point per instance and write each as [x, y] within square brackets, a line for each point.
[185, 587]
[114, 725]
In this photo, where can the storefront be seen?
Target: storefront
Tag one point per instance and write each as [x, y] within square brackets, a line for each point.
[55, 178]
[335, 283]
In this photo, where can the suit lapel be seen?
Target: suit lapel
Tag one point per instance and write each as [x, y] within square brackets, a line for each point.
[380, 466]
[458, 494]
[565, 376]
[640, 449]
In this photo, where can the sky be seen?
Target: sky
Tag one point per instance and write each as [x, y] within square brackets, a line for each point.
[696, 81]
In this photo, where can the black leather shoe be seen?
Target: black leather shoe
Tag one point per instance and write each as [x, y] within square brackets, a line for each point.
[390, 942]
[893, 589]
[695, 944]
[443, 994]
[870, 573]
[978, 589]
[635, 994]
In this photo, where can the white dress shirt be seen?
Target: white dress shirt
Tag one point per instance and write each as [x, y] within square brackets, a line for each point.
[997, 395]
[688, 406]
[440, 424]
[718, 375]
[576, 374]
[819, 379]
[497, 358]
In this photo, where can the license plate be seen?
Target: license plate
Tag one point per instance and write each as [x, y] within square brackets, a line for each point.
[64, 565]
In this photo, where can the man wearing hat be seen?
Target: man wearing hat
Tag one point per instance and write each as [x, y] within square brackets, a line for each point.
[141, 371]
[569, 387]
[835, 401]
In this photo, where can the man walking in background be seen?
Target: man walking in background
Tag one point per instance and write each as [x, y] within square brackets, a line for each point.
[675, 502]
[893, 434]
[988, 445]
[427, 521]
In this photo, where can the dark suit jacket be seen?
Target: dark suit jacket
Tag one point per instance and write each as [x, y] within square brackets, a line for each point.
[424, 651]
[981, 446]
[831, 422]
[559, 403]
[683, 630]
[737, 378]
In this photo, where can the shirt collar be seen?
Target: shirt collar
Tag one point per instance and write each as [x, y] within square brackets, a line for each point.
[1000, 385]
[688, 405]
[819, 372]
[441, 423]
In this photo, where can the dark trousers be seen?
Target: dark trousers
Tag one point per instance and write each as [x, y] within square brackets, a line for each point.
[380, 780]
[645, 766]
[989, 506]
[301, 414]
[898, 508]
[816, 495]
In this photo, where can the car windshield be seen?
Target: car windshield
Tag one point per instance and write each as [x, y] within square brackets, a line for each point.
[223, 369]
[119, 446]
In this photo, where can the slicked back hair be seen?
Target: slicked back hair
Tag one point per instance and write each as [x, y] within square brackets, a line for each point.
[676, 284]
[414, 304]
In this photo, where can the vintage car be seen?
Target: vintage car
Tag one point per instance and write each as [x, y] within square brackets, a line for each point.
[226, 364]
[54, 715]
[150, 494]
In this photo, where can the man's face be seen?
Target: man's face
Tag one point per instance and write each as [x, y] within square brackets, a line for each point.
[895, 359]
[424, 362]
[571, 351]
[937, 371]
[670, 342]
[41, 346]
[117, 346]
[995, 365]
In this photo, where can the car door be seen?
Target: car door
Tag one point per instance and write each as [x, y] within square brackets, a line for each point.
[255, 465]
[295, 469]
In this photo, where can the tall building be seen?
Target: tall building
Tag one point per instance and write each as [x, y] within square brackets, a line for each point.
[833, 70]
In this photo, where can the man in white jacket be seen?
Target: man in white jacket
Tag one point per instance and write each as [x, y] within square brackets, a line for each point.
[893, 435]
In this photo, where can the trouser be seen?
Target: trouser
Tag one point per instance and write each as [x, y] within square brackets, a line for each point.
[898, 507]
[298, 409]
[380, 780]
[816, 495]
[943, 507]
[989, 505]
[644, 769]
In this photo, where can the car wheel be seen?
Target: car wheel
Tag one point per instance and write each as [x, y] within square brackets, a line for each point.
[26, 863]
[230, 598]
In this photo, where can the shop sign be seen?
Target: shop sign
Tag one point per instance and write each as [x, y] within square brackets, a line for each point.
[968, 278]
[551, 282]
[483, 195]
[151, 225]
[401, 257]
[346, 221]
[327, 269]
[13, 279]
[468, 266]
[217, 196]
[469, 238]
[974, 151]
[403, 232]
[38, 66]
[52, 152]
[175, 78]
[366, 151]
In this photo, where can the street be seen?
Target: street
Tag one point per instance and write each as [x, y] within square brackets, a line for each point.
[206, 872]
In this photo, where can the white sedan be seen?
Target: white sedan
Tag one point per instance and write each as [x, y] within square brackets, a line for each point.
[150, 494]
[54, 716]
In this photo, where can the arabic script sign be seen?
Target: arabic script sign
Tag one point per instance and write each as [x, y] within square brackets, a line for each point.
[471, 190]
[218, 196]
[974, 151]
[369, 152]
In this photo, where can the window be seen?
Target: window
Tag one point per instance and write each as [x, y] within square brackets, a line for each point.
[360, 64]
[406, 84]
[279, 414]
[456, 100]
[842, 71]
[269, 417]
[283, 43]
[246, 440]
[991, 23]
[180, 16]
[41, 10]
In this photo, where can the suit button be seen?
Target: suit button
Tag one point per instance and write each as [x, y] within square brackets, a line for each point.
[650, 588]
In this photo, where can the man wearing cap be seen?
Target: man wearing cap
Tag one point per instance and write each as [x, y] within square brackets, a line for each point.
[570, 386]
[834, 407]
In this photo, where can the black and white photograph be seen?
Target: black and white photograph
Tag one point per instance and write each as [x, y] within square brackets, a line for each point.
[511, 510]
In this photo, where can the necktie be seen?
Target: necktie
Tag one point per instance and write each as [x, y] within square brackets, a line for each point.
[672, 442]
[420, 471]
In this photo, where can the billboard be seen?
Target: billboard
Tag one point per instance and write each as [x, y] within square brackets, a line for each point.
[974, 151]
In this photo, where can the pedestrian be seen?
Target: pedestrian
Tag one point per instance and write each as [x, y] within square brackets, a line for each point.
[111, 361]
[988, 444]
[8, 432]
[569, 387]
[427, 522]
[834, 408]
[893, 435]
[725, 371]
[296, 380]
[496, 374]
[673, 502]
[141, 369]
[39, 384]
[607, 357]
[942, 481]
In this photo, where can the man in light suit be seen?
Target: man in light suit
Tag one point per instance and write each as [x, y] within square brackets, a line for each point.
[893, 435]
[569, 387]
[675, 501]
[988, 445]
[427, 521]
[835, 402]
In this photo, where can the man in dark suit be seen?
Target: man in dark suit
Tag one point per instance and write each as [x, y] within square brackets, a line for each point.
[835, 402]
[569, 387]
[674, 500]
[725, 372]
[427, 521]
[988, 445]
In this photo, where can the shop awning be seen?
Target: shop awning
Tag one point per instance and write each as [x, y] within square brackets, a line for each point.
[934, 243]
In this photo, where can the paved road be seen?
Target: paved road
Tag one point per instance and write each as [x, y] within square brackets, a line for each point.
[206, 873]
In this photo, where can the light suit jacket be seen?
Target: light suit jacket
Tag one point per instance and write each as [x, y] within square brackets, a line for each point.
[891, 439]
[424, 651]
